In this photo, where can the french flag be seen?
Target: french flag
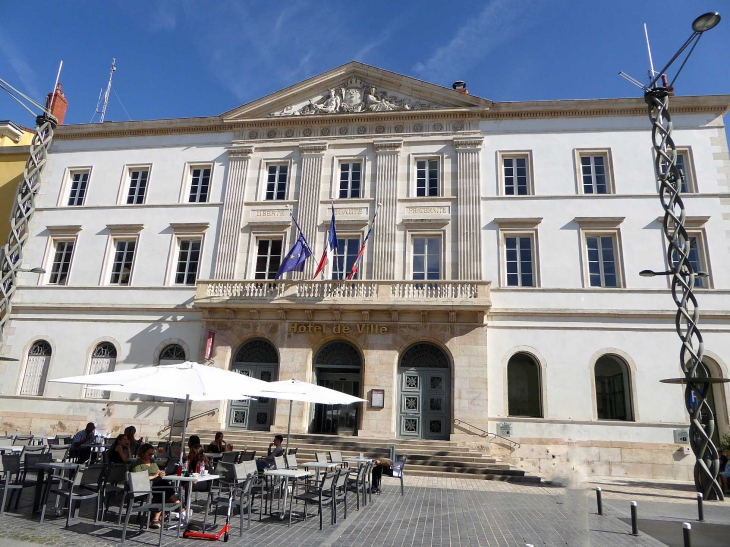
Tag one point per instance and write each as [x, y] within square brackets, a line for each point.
[356, 265]
[330, 245]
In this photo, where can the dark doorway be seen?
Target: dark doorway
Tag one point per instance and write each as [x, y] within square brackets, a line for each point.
[337, 366]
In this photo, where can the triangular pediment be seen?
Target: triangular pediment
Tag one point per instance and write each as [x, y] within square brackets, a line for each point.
[355, 88]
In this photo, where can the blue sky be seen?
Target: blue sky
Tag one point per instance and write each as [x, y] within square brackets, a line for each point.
[179, 58]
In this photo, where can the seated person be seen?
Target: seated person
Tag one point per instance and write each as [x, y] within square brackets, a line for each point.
[145, 463]
[381, 466]
[81, 443]
[120, 451]
[218, 446]
[268, 461]
[196, 463]
[130, 433]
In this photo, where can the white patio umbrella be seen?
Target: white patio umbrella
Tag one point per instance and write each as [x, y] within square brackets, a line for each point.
[294, 390]
[188, 380]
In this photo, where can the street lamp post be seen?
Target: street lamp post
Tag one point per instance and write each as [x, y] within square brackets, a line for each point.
[702, 422]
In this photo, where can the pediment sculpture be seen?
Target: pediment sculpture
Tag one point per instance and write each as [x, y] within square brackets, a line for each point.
[351, 97]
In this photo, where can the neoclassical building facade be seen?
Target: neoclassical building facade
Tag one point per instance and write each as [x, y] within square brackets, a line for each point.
[499, 288]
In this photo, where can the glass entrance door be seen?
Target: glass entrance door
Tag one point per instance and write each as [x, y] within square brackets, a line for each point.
[337, 419]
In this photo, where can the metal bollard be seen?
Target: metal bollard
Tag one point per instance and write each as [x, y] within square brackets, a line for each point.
[686, 529]
[599, 501]
[700, 509]
[634, 519]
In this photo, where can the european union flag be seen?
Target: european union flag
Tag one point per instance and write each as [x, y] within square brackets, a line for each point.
[294, 260]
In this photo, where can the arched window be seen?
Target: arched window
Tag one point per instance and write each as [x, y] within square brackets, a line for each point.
[424, 354]
[613, 389]
[36, 368]
[523, 386]
[103, 359]
[172, 354]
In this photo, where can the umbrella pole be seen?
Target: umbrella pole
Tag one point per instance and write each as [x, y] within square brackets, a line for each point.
[288, 429]
[185, 425]
[172, 421]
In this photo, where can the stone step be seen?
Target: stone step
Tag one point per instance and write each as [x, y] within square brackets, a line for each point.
[461, 474]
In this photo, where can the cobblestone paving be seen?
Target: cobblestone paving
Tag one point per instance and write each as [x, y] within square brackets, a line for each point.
[456, 512]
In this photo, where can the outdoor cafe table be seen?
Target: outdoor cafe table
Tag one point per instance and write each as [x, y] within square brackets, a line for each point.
[11, 448]
[286, 474]
[180, 480]
[41, 493]
[318, 466]
[358, 460]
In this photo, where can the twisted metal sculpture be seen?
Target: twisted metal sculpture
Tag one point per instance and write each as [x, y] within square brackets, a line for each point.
[11, 255]
[702, 422]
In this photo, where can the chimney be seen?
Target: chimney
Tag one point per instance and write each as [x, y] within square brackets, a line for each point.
[460, 87]
[56, 102]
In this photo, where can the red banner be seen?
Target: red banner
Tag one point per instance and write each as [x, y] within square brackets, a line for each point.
[209, 344]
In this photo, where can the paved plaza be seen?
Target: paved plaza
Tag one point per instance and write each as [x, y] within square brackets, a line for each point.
[434, 511]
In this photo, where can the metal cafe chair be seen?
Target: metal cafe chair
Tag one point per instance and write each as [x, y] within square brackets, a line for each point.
[248, 455]
[84, 486]
[139, 488]
[358, 484]
[11, 472]
[323, 496]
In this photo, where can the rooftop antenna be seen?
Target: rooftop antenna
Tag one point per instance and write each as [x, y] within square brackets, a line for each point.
[102, 112]
[651, 61]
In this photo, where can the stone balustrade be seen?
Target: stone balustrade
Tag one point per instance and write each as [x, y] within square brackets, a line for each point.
[387, 294]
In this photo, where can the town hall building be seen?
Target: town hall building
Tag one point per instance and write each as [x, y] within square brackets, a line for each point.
[499, 289]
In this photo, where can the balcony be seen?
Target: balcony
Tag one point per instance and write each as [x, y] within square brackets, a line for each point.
[432, 295]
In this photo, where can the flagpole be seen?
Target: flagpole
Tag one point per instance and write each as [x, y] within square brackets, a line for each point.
[335, 264]
[356, 266]
[288, 208]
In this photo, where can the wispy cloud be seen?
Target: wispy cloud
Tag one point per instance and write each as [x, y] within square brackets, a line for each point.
[498, 21]
[26, 75]
[163, 16]
[378, 41]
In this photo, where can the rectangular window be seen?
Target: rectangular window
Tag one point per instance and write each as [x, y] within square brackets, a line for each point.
[350, 177]
[519, 261]
[61, 263]
[347, 251]
[199, 184]
[77, 193]
[276, 182]
[427, 178]
[516, 181]
[595, 177]
[602, 267]
[188, 259]
[123, 261]
[696, 259]
[426, 258]
[682, 166]
[137, 186]
[268, 258]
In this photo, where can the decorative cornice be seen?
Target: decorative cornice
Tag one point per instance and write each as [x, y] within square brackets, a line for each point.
[474, 143]
[65, 229]
[312, 147]
[189, 227]
[709, 104]
[690, 222]
[387, 146]
[125, 228]
[527, 222]
[241, 151]
[599, 222]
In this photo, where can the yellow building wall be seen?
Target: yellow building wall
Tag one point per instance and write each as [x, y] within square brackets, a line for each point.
[11, 173]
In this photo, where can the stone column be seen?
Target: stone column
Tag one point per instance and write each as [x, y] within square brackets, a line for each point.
[230, 230]
[386, 194]
[309, 189]
[468, 204]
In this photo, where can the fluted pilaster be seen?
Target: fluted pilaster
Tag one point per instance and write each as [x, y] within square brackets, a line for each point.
[468, 165]
[386, 195]
[309, 190]
[230, 229]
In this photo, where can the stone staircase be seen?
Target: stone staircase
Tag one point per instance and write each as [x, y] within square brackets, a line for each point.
[425, 458]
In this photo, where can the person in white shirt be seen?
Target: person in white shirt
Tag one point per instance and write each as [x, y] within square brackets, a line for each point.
[81, 443]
